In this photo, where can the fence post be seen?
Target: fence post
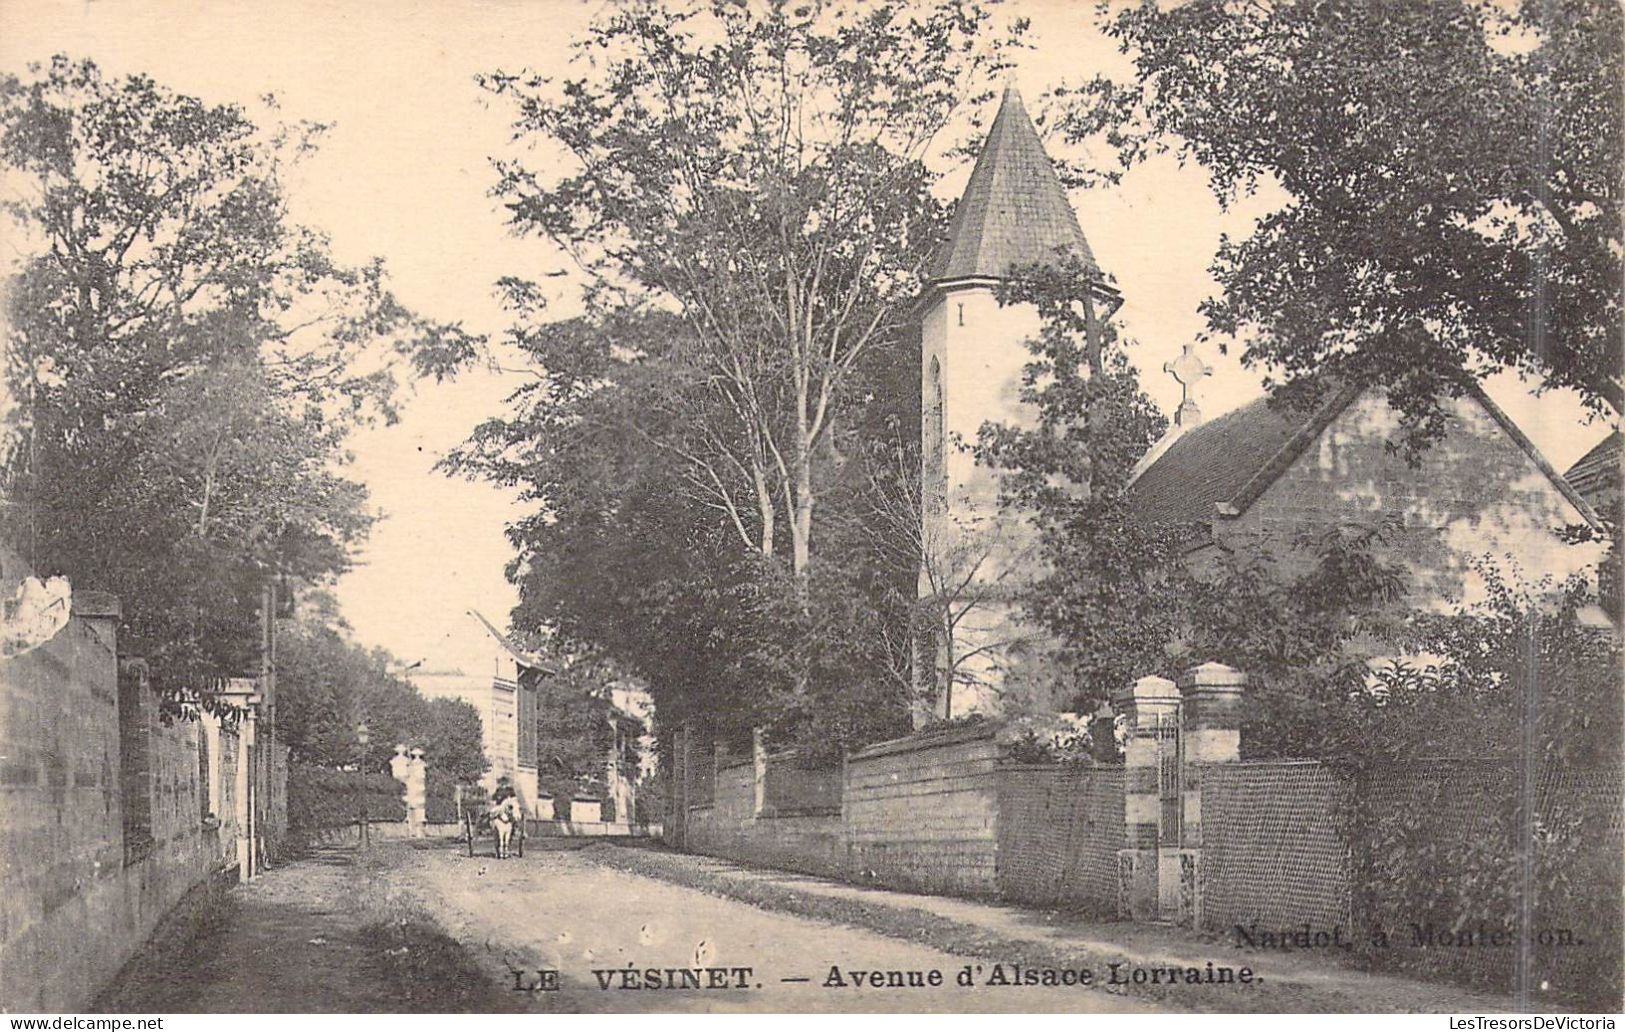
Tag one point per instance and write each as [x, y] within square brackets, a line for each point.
[1146, 708]
[1212, 694]
[758, 768]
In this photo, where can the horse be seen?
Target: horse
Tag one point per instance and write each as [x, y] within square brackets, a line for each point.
[504, 816]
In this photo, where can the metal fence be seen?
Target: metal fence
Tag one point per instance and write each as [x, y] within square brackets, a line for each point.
[1274, 848]
[1060, 830]
[1465, 883]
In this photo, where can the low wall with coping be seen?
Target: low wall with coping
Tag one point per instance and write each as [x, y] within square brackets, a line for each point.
[730, 827]
[920, 813]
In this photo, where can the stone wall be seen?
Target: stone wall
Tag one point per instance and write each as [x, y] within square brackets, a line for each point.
[920, 812]
[1186, 833]
[78, 891]
[110, 816]
[809, 842]
[793, 786]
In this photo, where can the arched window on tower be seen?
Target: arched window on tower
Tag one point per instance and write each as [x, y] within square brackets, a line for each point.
[935, 487]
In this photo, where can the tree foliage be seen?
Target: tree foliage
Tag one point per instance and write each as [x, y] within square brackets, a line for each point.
[755, 169]
[1512, 674]
[627, 565]
[1106, 586]
[1452, 172]
[183, 361]
[327, 685]
[746, 193]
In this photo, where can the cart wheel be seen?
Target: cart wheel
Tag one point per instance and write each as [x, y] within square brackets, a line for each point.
[468, 834]
[519, 838]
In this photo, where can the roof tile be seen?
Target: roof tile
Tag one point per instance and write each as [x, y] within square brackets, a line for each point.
[1212, 461]
[1597, 475]
[1014, 210]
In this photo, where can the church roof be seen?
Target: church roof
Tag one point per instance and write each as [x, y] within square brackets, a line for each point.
[1212, 462]
[1222, 466]
[1597, 475]
[1014, 210]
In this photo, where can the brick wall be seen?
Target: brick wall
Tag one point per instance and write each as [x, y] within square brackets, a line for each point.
[1060, 830]
[1476, 493]
[920, 813]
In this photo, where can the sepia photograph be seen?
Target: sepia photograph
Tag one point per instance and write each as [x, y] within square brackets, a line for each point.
[619, 507]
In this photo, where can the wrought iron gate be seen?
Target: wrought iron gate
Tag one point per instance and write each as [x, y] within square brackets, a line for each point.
[1170, 780]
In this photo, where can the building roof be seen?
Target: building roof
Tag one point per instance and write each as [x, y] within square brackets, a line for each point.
[1014, 210]
[522, 657]
[1211, 462]
[1222, 466]
[1597, 475]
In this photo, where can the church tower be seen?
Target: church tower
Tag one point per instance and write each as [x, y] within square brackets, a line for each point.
[976, 556]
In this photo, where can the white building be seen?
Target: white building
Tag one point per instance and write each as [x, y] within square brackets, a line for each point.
[506, 703]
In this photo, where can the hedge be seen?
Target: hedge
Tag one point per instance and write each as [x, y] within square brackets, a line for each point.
[320, 797]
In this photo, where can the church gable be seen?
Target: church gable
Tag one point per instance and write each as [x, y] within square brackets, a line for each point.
[1483, 489]
[1212, 464]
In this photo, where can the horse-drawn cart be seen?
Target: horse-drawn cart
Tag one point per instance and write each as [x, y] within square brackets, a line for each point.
[478, 824]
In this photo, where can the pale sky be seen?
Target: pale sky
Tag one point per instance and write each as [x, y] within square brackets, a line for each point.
[404, 175]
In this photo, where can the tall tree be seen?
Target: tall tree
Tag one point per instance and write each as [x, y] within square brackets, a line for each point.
[746, 195]
[630, 561]
[1453, 172]
[756, 169]
[184, 361]
[1104, 592]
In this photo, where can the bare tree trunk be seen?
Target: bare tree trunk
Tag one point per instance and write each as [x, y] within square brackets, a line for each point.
[767, 511]
[801, 528]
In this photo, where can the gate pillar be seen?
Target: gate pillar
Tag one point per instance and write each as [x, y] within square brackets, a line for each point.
[1212, 695]
[1149, 711]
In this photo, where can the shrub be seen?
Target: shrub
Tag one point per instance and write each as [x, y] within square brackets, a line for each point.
[441, 804]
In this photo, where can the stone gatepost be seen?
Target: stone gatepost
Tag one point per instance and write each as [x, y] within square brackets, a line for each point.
[1212, 695]
[1147, 709]
[417, 793]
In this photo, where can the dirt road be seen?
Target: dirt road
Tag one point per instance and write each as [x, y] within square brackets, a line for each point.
[556, 911]
[422, 928]
[328, 933]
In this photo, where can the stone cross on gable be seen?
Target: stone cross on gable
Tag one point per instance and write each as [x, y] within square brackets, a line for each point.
[1189, 370]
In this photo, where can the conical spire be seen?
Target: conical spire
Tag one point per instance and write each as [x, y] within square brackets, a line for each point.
[1014, 210]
